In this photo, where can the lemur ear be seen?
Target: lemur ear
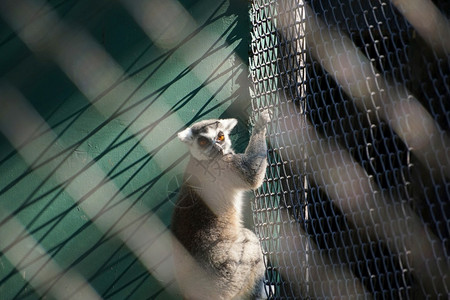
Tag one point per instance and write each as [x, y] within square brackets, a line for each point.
[186, 135]
[228, 124]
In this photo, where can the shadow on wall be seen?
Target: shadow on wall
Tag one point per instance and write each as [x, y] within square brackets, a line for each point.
[91, 102]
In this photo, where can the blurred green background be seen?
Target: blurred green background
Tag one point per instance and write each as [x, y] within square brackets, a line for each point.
[90, 102]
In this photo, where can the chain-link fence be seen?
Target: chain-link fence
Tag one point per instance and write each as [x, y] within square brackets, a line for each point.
[356, 198]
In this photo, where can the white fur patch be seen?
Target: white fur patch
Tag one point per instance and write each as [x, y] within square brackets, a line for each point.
[228, 124]
[185, 135]
[238, 203]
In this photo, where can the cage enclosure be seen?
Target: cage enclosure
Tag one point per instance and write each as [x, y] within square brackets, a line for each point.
[355, 202]
[356, 198]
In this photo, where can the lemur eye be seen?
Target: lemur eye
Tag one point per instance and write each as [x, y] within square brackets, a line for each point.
[202, 141]
[220, 137]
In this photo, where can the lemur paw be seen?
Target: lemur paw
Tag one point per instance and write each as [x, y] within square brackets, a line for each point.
[264, 117]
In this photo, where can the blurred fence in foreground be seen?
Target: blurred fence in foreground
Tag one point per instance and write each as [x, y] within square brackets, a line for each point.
[356, 199]
[92, 94]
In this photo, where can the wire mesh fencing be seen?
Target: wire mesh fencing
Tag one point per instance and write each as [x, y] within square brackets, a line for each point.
[355, 203]
[356, 197]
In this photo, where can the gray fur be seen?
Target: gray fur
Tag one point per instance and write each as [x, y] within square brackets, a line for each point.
[207, 219]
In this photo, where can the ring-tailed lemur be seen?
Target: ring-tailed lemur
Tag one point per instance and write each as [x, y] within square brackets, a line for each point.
[227, 258]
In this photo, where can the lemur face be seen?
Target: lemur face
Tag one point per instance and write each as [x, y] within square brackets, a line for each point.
[208, 139]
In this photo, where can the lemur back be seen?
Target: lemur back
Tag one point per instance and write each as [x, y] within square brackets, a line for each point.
[227, 258]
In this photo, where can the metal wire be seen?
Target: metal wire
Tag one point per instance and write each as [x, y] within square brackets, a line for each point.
[356, 198]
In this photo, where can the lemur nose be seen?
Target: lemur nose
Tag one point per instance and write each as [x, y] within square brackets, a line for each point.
[218, 147]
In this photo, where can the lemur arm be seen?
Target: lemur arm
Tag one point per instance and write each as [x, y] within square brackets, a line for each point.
[251, 164]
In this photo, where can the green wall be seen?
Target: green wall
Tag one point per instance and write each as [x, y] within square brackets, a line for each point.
[84, 169]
